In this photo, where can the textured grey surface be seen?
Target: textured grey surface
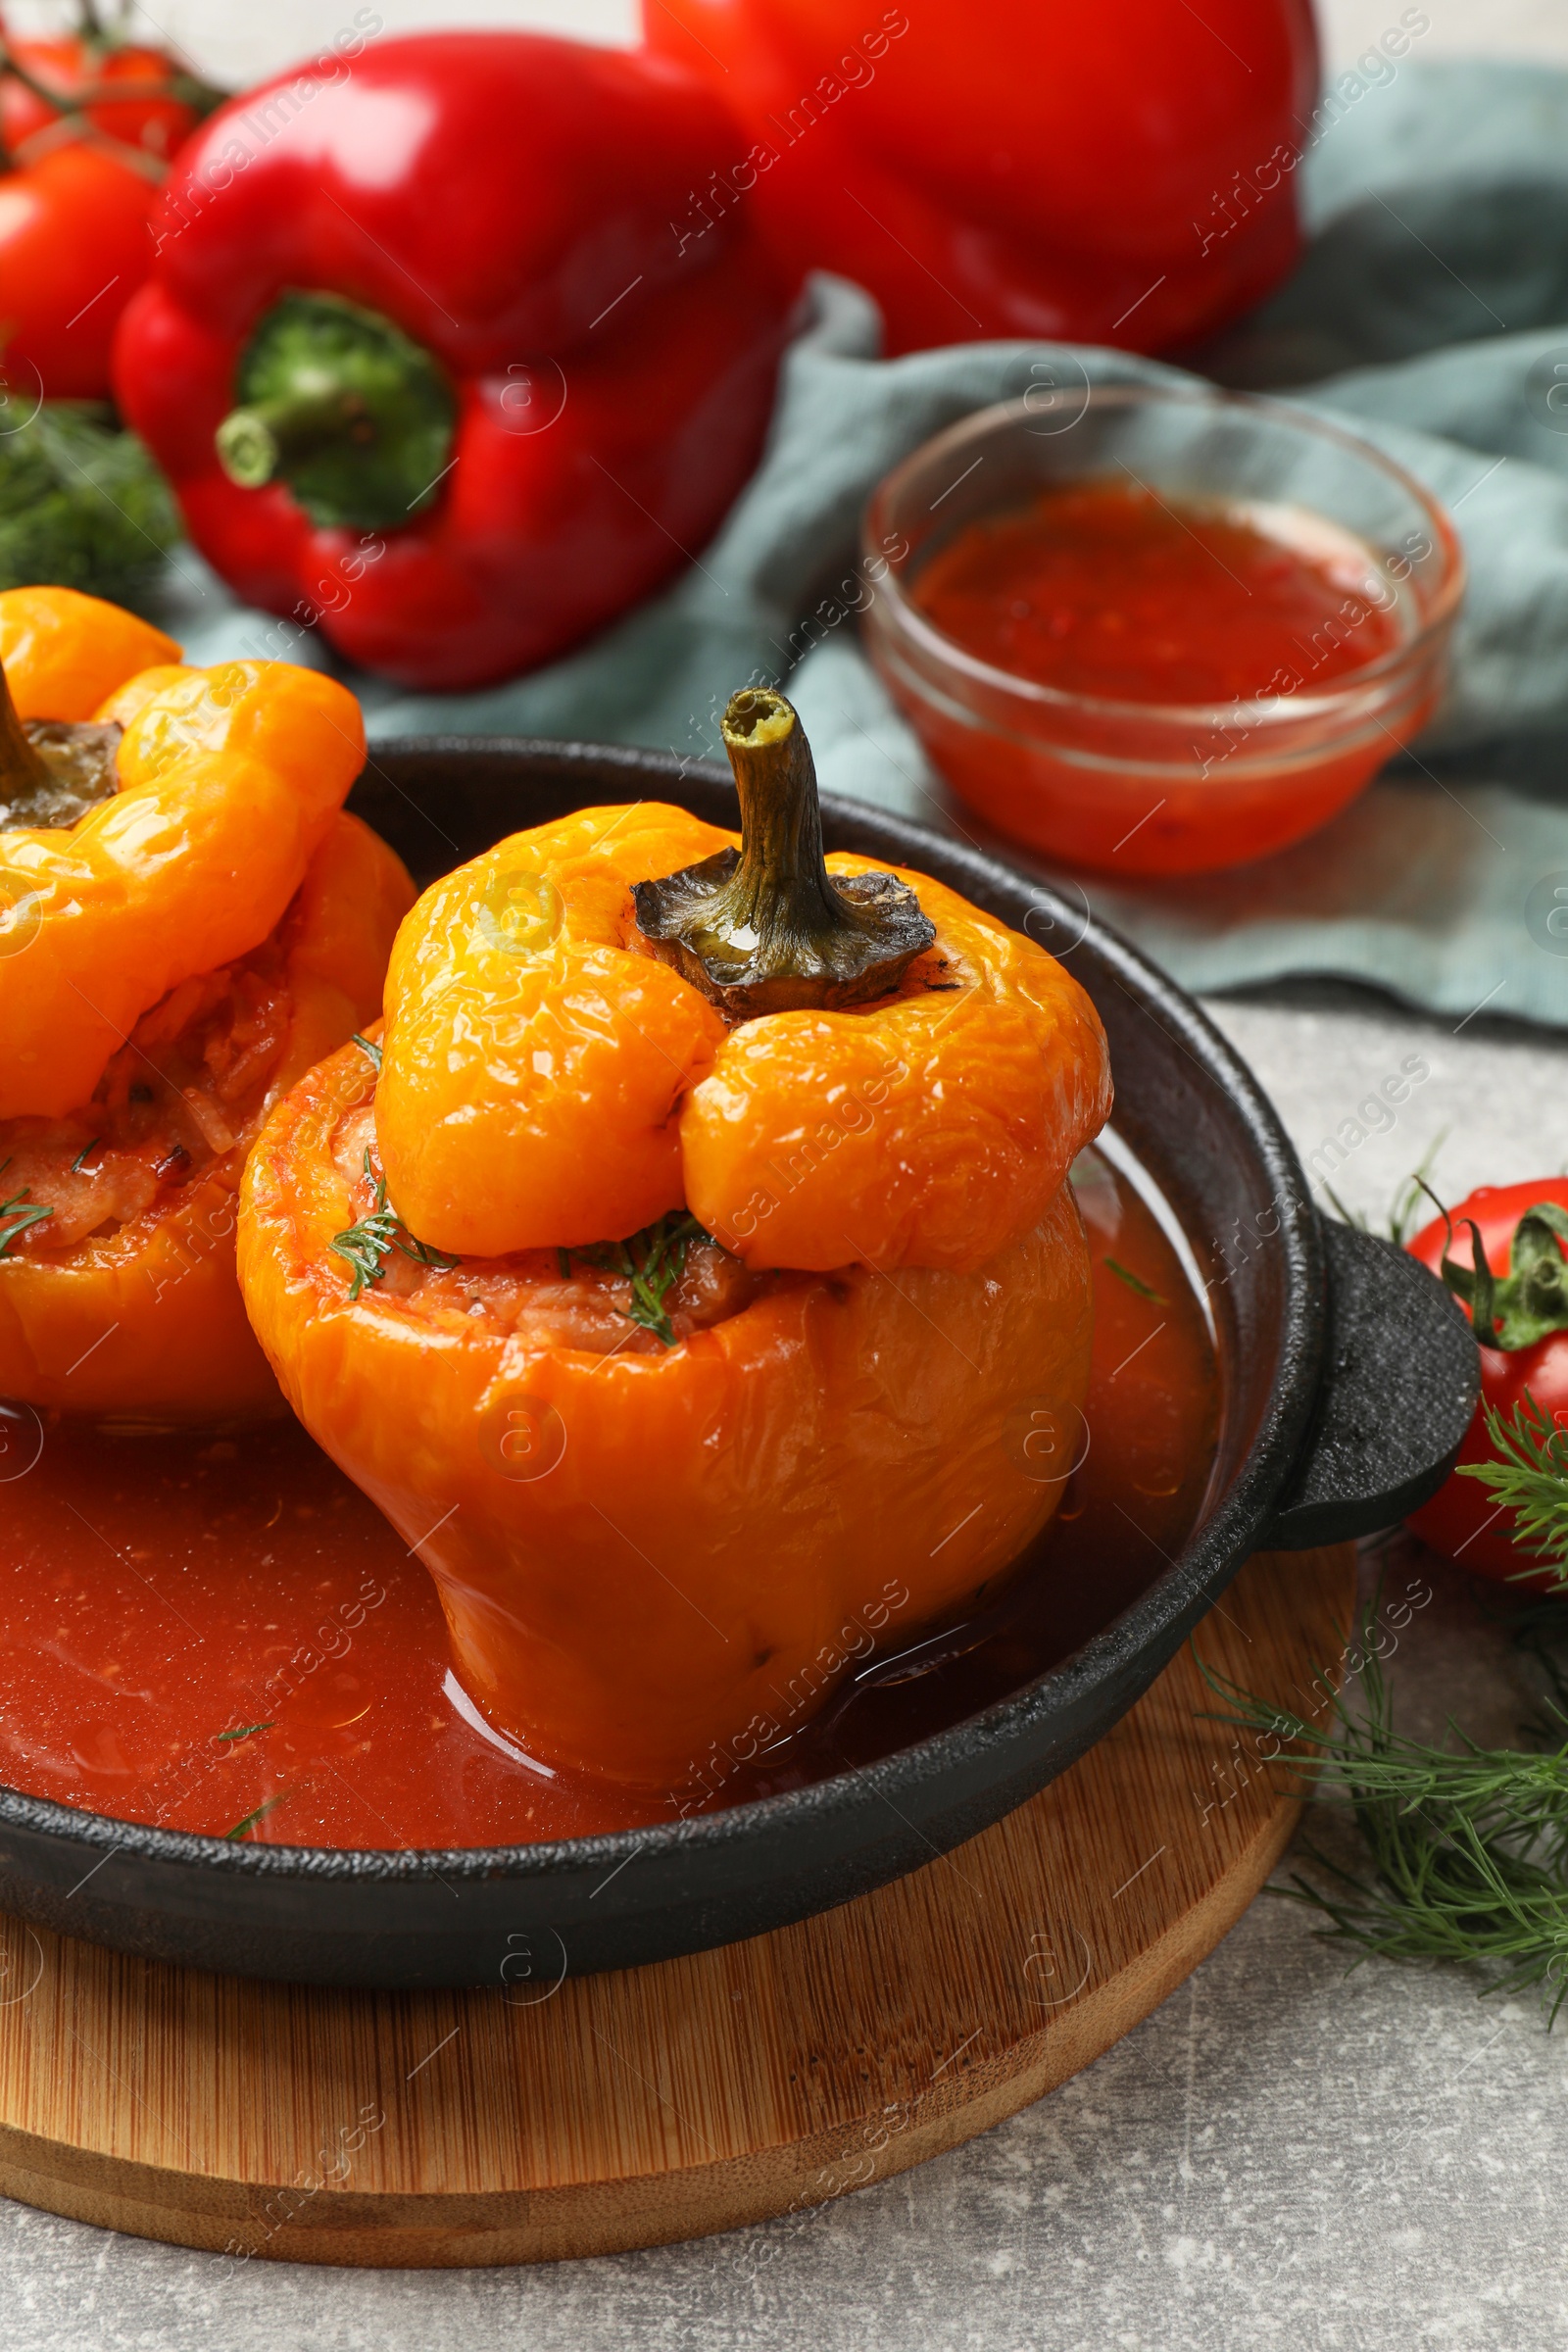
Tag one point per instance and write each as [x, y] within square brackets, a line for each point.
[1282, 2155]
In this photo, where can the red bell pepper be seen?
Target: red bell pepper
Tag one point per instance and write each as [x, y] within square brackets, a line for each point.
[424, 360]
[84, 133]
[1024, 168]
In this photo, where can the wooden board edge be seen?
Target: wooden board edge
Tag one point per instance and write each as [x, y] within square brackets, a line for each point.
[356, 2229]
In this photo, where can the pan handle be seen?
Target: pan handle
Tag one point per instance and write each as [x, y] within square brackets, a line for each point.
[1402, 1373]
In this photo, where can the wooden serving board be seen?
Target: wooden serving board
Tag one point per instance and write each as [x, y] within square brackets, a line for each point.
[531, 2122]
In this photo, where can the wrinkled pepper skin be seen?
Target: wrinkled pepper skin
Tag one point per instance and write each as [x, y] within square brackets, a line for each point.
[223, 870]
[230, 781]
[803, 1139]
[704, 1521]
[1034, 169]
[643, 1549]
[611, 388]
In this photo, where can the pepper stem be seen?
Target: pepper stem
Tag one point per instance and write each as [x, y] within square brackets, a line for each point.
[22, 773]
[767, 929]
[52, 770]
[256, 443]
[346, 409]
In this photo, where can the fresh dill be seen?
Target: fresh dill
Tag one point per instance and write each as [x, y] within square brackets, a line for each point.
[244, 1731]
[365, 1244]
[1530, 1477]
[19, 1215]
[652, 1261]
[1468, 1846]
[1407, 1205]
[76, 1165]
[1134, 1282]
[374, 1052]
[251, 1819]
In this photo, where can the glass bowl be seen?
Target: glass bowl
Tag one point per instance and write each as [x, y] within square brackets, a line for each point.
[1150, 787]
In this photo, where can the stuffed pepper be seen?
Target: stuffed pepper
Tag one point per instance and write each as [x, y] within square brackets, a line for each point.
[689, 1264]
[188, 920]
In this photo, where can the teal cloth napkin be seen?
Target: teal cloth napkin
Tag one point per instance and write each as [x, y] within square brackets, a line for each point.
[1430, 311]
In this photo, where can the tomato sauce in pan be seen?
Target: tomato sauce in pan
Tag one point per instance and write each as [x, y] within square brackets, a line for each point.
[224, 1635]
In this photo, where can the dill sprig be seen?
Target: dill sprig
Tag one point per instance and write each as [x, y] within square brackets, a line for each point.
[1408, 1206]
[19, 1215]
[366, 1244]
[261, 1810]
[1530, 1477]
[373, 1051]
[1134, 1282]
[652, 1261]
[1468, 1846]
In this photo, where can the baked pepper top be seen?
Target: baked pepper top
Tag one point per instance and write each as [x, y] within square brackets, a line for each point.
[154, 823]
[630, 1012]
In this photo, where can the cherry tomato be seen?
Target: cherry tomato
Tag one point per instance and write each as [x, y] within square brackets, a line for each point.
[1462, 1520]
[75, 189]
[154, 115]
[74, 246]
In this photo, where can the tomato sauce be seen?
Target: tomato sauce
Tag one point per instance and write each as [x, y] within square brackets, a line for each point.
[1106, 589]
[224, 1635]
[1168, 687]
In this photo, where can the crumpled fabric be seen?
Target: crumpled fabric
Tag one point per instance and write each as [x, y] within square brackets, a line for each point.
[1430, 313]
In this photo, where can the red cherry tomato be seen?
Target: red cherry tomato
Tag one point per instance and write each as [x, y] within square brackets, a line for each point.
[75, 189]
[152, 115]
[1462, 1520]
[74, 248]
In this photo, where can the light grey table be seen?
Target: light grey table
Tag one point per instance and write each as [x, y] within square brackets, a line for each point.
[1283, 2155]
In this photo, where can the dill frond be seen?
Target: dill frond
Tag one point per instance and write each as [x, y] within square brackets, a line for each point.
[1468, 1846]
[652, 1262]
[1531, 1478]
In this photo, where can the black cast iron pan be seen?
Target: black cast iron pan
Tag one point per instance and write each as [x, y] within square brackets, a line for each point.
[1348, 1377]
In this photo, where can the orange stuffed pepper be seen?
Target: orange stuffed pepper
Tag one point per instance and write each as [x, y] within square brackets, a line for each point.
[686, 1272]
[188, 920]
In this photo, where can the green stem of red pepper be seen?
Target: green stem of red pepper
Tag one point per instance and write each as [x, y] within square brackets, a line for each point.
[340, 404]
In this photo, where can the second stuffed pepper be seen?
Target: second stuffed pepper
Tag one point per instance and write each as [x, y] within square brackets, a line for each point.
[188, 920]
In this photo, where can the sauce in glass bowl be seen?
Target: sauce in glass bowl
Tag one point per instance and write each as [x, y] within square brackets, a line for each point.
[1105, 589]
[1176, 633]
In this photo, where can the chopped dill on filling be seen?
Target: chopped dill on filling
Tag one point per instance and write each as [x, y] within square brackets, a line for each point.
[653, 1261]
[365, 1244]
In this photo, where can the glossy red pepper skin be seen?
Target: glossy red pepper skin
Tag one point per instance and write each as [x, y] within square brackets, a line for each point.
[506, 201]
[1033, 167]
